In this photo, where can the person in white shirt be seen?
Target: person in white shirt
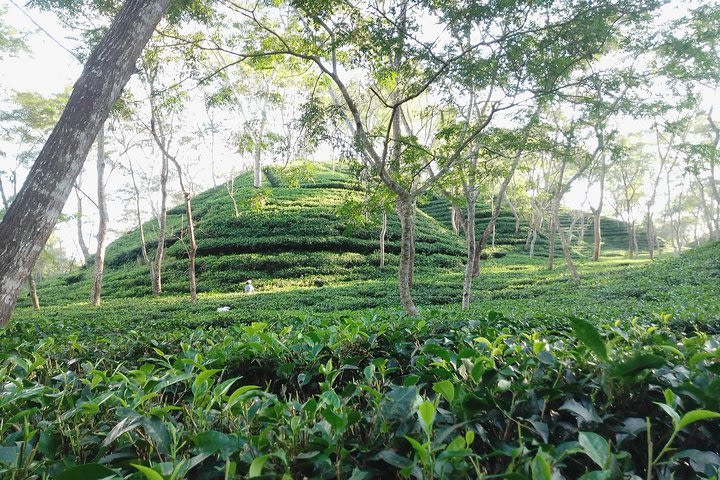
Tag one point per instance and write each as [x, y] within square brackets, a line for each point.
[249, 287]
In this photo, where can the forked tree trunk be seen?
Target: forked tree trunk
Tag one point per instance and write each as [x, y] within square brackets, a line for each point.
[31, 218]
[99, 261]
[406, 212]
[383, 234]
[565, 244]
[471, 245]
[230, 186]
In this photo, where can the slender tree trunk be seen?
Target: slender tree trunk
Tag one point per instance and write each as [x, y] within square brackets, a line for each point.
[406, 212]
[565, 244]
[456, 218]
[230, 186]
[99, 261]
[257, 180]
[33, 291]
[138, 218]
[3, 196]
[597, 231]
[650, 232]
[383, 233]
[32, 216]
[156, 270]
[532, 242]
[79, 219]
[515, 215]
[551, 240]
[470, 241]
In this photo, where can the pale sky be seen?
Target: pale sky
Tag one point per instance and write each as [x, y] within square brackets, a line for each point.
[50, 69]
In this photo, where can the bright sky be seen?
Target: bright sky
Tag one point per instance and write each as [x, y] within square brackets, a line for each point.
[50, 68]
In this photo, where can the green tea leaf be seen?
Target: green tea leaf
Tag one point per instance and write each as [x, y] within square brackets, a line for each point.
[695, 416]
[596, 447]
[426, 412]
[590, 336]
[446, 389]
[149, 473]
[637, 364]
[257, 465]
[540, 468]
[89, 471]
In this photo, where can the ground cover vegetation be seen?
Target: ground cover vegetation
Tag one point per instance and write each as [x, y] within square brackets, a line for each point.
[410, 316]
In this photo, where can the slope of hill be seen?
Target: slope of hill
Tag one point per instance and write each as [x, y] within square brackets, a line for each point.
[614, 232]
[282, 236]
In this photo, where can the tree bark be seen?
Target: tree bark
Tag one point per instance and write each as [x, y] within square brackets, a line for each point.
[565, 245]
[192, 250]
[32, 216]
[138, 218]
[99, 261]
[406, 212]
[79, 219]
[257, 180]
[471, 245]
[383, 233]
[33, 291]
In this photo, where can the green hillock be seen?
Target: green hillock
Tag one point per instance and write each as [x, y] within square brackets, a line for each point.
[283, 235]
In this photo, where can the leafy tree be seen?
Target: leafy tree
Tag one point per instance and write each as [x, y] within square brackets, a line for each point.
[31, 218]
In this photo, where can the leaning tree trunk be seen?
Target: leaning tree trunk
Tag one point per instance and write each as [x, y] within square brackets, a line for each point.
[565, 244]
[406, 212]
[32, 216]
[471, 245]
[99, 261]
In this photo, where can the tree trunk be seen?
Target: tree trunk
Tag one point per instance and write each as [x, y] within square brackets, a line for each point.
[192, 250]
[456, 218]
[32, 216]
[230, 186]
[515, 215]
[631, 239]
[79, 219]
[257, 180]
[99, 261]
[650, 232]
[33, 291]
[138, 218]
[565, 244]
[551, 240]
[383, 233]
[406, 212]
[470, 263]
[156, 270]
[597, 230]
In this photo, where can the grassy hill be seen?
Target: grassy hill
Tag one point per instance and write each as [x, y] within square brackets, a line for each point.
[319, 374]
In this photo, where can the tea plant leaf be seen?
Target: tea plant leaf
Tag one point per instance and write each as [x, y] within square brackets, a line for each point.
[637, 364]
[446, 389]
[399, 403]
[392, 457]
[597, 475]
[585, 413]
[125, 425]
[88, 471]
[149, 473]
[596, 447]
[426, 412]
[204, 376]
[590, 336]
[695, 416]
[540, 468]
[257, 465]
